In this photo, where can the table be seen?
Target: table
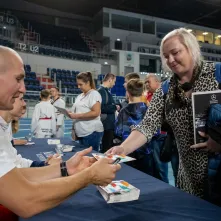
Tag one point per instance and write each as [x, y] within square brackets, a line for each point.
[158, 201]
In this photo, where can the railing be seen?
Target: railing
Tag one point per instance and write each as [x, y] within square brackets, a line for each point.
[68, 98]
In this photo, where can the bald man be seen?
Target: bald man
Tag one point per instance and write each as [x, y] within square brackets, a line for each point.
[38, 190]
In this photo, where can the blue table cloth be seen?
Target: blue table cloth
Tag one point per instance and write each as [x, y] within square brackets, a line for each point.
[158, 201]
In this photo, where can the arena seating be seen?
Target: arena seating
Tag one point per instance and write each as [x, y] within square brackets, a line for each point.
[60, 38]
[31, 83]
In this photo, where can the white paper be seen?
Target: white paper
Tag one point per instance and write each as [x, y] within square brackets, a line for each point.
[53, 142]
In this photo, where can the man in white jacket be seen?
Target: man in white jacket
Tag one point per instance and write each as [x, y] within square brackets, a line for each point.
[82, 170]
[43, 124]
[57, 101]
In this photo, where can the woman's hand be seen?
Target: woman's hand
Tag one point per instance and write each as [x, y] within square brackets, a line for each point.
[115, 150]
[209, 146]
[73, 115]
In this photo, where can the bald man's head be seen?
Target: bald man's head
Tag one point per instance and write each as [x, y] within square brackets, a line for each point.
[8, 58]
[11, 77]
[152, 82]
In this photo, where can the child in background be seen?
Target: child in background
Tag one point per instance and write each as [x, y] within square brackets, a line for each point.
[43, 123]
[133, 114]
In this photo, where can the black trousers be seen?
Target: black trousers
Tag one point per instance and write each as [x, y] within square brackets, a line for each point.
[107, 140]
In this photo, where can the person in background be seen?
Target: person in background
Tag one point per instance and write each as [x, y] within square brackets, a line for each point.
[130, 115]
[108, 109]
[79, 171]
[128, 77]
[57, 101]
[43, 124]
[86, 112]
[152, 83]
[15, 127]
[6, 129]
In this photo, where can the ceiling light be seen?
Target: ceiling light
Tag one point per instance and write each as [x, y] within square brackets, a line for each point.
[205, 33]
[189, 30]
[118, 39]
[219, 36]
[105, 62]
[4, 27]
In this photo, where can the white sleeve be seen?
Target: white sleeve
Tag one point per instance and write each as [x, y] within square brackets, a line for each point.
[22, 162]
[94, 98]
[53, 120]
[6, 162]
[35, 118]
[60, 116]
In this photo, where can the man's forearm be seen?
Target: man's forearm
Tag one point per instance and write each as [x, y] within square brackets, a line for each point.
[50, 193]
[41, 173]
[35, 197]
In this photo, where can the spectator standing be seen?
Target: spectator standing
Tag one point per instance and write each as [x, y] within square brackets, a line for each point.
[86, 112]
[57, 101]
[130, 115]
[108, 109]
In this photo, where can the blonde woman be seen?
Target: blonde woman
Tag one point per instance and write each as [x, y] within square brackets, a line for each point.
[180, 54]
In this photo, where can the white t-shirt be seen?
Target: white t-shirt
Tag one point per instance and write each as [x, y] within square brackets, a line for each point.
[83, 104]
[6, 160]
[7, 151]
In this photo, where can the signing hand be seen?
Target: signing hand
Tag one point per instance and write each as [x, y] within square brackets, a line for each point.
[209, 146]
[103, 171]
[79, 161]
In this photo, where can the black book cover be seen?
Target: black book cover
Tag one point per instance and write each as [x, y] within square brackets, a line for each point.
[201, 102]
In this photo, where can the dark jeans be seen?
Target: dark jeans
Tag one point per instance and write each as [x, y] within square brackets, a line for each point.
[161, 167]
[93, 140]
[107, 140]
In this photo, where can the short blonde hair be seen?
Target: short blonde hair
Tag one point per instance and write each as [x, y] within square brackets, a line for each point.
[188, 40]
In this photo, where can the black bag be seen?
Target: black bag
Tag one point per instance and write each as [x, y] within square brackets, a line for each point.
[167, 149]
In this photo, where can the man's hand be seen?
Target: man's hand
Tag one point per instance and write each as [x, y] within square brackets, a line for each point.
[20, 142]
[103, 171]
[56, 158]
[79, 161]
[209, 146]
[115, 150]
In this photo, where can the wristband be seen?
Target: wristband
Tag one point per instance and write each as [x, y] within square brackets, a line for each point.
[64, 171]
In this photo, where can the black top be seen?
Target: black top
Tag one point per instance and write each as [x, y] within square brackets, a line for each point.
[107, 107]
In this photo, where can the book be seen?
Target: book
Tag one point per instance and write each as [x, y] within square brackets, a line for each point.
[123, 158]
[201, 102]
[119, 191]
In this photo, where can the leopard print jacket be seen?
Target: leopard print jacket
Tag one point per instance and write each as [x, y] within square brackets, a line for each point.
[193, 164]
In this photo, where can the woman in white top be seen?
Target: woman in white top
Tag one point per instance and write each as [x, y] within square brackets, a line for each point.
[86, 112]
[43, 123]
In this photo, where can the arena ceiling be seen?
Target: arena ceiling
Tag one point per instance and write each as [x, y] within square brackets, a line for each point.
[200, 12]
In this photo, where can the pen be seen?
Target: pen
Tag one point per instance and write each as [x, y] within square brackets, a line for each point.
[117, 161]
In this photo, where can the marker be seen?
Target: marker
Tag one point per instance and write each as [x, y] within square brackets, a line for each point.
[117, 161]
